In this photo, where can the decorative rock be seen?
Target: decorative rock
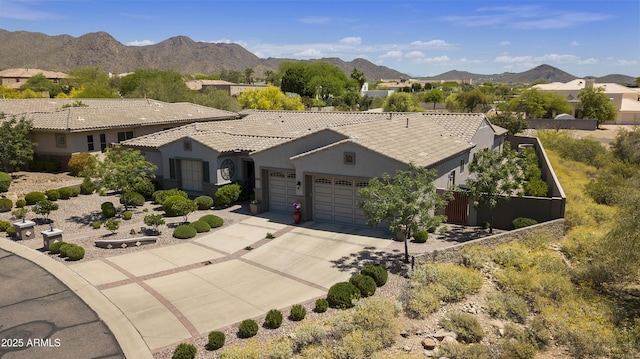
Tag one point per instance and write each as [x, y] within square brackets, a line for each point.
[428, 343]
[406, 348]
[441, 334]
[429, 353]
[449, 340]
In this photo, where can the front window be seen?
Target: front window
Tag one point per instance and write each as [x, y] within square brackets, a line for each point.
[61, 140]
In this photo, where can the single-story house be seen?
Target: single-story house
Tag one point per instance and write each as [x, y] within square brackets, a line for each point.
[14, 78]
[318, 159]
[231, 88]
[62, 127]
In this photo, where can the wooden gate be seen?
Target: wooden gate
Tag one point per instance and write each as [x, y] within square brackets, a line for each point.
[457, 209]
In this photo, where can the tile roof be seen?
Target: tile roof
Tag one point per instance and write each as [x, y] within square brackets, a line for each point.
[27, 73]
[49, 114]
[579, 84]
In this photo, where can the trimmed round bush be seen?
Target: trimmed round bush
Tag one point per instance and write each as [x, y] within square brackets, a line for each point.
[5, 204]
[74, 252]
[228, 194]
[521, 222]
[184, 232]
[54, 248]
[248, 328]
[34, 197]
[63, 249]
[420, 236]
[201, 226]
[65, 192]
[5, 181]
[134, 199]
[213, 220]
[145, 188]
[321, 305]
[108, 210]
[127, 215]
[4, 225]
[87, 186]
[184, 351]
[376, 271]
[96, 225]
[21, 203]
[216, 340]
[273, 319]
[75, 191]
[169, 202]
[341, 295]
[365, 284]
[11, 231]
[297, 313]
[160, 196]
[52, 194]
[81, 161]
[204, 202]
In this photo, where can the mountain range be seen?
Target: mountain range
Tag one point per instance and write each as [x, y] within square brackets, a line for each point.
[23, 49]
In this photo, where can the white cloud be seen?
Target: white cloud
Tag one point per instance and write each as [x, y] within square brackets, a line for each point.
[553, 58]
[433, 44]
[505, 43]
[351, 41]
[437, 60]
[574, 43]
[140, 43]
[626, 62]
[391, 54]
[414, 54]
[309, 53]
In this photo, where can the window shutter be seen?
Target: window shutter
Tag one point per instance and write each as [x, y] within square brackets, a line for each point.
[172, 168]
[205, 172]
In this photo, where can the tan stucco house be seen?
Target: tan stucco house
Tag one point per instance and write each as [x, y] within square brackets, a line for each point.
[231, 88]
[14, 78]
[316, 158]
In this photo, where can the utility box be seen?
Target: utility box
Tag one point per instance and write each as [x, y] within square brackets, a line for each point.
[51, 236]
[25, 230]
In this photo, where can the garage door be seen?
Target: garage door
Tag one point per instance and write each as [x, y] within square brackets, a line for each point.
[335, 199]
[282, 190]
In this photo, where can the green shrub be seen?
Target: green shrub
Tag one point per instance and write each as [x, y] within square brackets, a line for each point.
[80, 162]
[297, 313]
[21, 203]
[154, 220]
[54, 248]
[213, 220]
[423, 300]
[5, 204]
[65, 192]
[108, 210]
[270, 236]
[450, 282]
[536, 187]
[505, 305]
[74, 252]
[321, 305]
[145, 188]
[228, 194]
[133, 199]
[20, 213]
[96, 225]
[462, 351]
[75, 191]
[465, 325]
[127, 215]
[376, 271]
[112, 224]
[63, 249]
[248, 328]
[204, 202]
[11, 231]
[517, 344]
[5, 181]
[184, 232]
[521, 222]
[200, 226]
[51, 166]
[4, 225]
[216, 340]
[273, 319]
[420, 236]
[168, 204]
[87, 186]
[34, 197]
[160, 196]
[341, 295]
[365, 284]
[184, 351]
[52, 194]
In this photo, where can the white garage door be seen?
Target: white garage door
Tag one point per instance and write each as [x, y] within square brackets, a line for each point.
[282, 190]
[335, 199]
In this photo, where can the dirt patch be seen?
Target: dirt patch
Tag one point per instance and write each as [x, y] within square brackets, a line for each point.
[25, 182]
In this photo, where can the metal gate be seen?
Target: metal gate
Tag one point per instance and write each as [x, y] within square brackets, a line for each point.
[457, 210]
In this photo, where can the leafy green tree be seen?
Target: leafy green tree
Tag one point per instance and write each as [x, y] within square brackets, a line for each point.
[626, 145]
[510, 121]
[595, 104]
[40, 83]
[473, 100]
[539, 104]
[219, 99]
[167, 86]
[45, 208]
[294, 78]
[401, 102]
[231, 76]
[433, 96]
[359, 77]
[270, 98]
[16, 149]
[495, 176]
[121, 170]
[112, 225]
[408, 201]
[319, 78]
[89, 82]
[352, 99]
[155, 221]
[184, 208]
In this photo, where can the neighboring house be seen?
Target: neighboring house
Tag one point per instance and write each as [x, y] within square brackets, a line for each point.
[62, 127]
[231, 88]
[318, 159]
[14, 78]
[625, 99]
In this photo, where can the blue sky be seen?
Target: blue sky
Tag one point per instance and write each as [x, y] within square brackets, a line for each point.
[422, 38]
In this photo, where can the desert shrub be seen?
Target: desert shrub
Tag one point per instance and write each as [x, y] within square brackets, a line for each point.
[5, 181]
[450, 282]
[521, 222]
[75, 191]
[184, 232]
[461, 351]
[308, 334]
[168, 205]
[21, 203]
[247, 350]
[213, 220]
[5, 204]
[281, 348]
[80, 162]
[160, 196]
[204, 202]
[465, 325]
[108, 210]
[184, 351]
[297, 313]
[539, 333]
[4, 225]
[52, 194]
[11, 231]
[96, 225]
[341, 295]
[74, 252]
[248, 328]
[273, 319]
[87, 186]
[134, 199]
[228, 194]
[365, 284]
[216, 340]
[321, 305]
[505, 305]
[536, 187]
[200, 226]
[145, 188]
[34, 197]
[422, 302]
[54, 248]
[376, 271]
[420, 236]
[475, 256]
[154, 220]
[512, 254]
[65, 192]
[127, 215]
[112, 224]
[516, 344]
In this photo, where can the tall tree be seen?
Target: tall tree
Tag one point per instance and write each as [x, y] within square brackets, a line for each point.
[167, 86]
[219, 99]
[16, 148]
[89, 82]
[495, 176]
[359, 77]
[408, 201]
[401, 102]
[535, 103]
[595, 104]
[39, 83]
[433, 96]
[248, 76]
[514, 123]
